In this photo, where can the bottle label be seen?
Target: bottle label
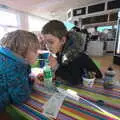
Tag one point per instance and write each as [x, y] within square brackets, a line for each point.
[47, 74]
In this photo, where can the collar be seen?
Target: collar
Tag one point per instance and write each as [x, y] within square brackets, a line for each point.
[7, 52]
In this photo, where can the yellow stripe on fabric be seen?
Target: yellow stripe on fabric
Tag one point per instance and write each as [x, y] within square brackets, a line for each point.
[71, 114]
[90, 108]
[94, 109]
[108, 114]
[41, 101]
[23, 113]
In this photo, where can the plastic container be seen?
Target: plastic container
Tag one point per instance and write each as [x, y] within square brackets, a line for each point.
[108, 78]
[88, 82]
[42, 57]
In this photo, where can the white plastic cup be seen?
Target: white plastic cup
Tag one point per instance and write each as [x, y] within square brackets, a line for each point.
[88, 82]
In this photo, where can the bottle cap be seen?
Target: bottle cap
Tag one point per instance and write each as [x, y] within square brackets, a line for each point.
[110, 68]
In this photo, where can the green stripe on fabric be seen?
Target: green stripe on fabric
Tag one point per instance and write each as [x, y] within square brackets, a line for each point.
[94, 96]
[17, 114]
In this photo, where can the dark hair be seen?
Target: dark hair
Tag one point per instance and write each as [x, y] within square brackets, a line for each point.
[20, 41]
[56, 28]
[76, 23]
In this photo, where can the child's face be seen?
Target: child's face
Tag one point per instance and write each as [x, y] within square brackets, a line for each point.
[31, 56]
[54, 43]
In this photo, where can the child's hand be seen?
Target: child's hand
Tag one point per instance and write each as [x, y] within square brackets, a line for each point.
[52, 61]
[38, 79]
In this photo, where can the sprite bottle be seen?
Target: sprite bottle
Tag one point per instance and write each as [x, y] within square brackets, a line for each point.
[47, 75]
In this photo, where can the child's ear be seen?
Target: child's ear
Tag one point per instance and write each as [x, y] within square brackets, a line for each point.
[64, 40]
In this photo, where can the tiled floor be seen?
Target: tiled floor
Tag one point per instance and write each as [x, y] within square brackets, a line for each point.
[106, 61]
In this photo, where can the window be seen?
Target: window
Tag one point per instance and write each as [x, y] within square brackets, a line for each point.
[96, 8]
[79, 11]
[113, 4]
[95, 19]
[8, 22]
[2, 32]
[113, 17]
[36, 23]
[7, 18]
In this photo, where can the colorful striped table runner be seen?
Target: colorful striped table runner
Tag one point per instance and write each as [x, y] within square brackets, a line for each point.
[110, 97]
[70, 110]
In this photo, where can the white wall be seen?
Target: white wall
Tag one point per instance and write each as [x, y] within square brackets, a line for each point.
[36, 23]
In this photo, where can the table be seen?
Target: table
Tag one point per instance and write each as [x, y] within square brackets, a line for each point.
[71, 109]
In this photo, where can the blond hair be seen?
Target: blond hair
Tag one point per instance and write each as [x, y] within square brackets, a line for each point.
[20, 41]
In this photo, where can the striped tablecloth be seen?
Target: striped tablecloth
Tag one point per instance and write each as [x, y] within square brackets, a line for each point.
[111, 97]
[70, 110]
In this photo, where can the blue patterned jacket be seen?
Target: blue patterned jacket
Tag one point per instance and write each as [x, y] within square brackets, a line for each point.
[15, 85]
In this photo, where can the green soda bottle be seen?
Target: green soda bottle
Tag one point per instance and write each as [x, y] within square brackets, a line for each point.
[47, 75]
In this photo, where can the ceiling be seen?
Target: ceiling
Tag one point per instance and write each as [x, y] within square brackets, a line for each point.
[49, 9]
